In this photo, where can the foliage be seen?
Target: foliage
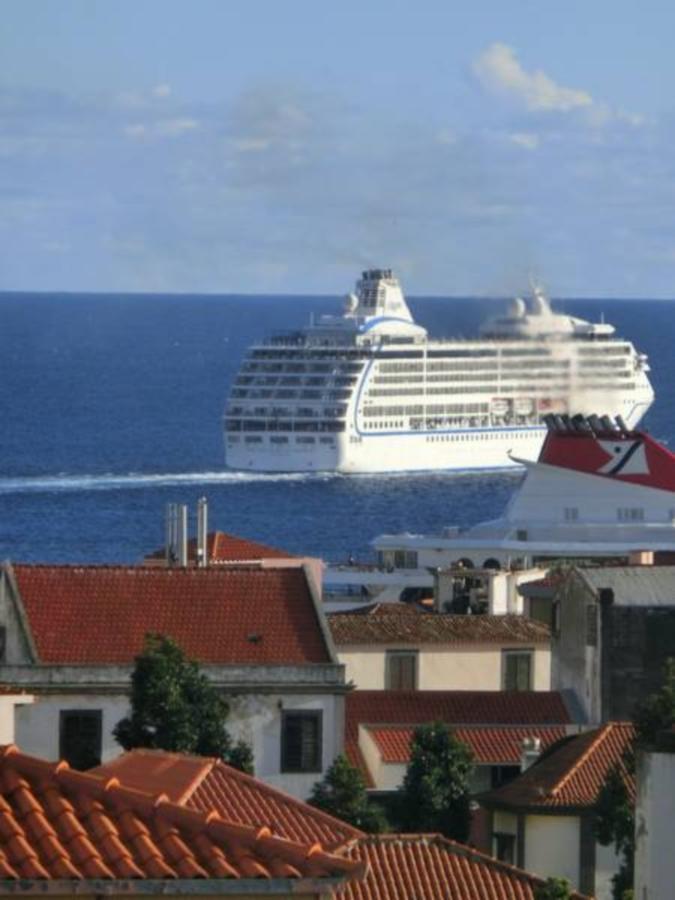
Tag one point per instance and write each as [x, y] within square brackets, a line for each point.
[175, 707]
[342, 793]
[615, 815]
[553, 889]
[435, 793]
[657, 713]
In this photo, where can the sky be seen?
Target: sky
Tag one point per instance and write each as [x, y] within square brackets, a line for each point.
[261, 146]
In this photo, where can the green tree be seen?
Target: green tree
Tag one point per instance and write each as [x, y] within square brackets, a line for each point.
[435, 793]
[342, 793]
[553, 889]
[614, 810]
[175, 707]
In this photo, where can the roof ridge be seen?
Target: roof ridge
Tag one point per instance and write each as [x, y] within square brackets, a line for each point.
[156, 571]
[601, 735]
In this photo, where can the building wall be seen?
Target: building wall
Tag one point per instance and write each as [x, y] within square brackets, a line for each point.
[552, 847]
[654, 860]
[607, 864]
[8, 706]
[637, 642]
[37, 726]
[255, 718]
[462, 668]
[575, 665]
[17, 649]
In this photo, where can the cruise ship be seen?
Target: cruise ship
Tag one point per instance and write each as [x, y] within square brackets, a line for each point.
[368, 391]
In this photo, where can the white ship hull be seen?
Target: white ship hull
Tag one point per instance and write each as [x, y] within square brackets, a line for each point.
[376, 454]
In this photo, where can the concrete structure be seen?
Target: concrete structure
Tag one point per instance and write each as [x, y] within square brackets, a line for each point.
[543, 820]
[655, 787]
[397, 646]
[613, 630]
[73, 633]
[448, 584]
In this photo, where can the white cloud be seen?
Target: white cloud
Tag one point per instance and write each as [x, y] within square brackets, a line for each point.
[161, 129]
[175, 127]
[161, 90]
[251, 145]
[499, 71]
[525, 139]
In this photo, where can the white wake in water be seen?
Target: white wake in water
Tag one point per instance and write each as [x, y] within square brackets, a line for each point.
[134, 481]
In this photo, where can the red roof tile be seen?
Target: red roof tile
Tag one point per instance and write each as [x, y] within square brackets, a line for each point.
[59, 824]
[491, 745]
[454, 707]
[222, 547]
[203, 783]
[430, 867]
[571, 773]
[95, 614]
[378, 625]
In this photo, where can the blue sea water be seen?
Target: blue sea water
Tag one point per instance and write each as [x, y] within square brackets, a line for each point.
[110, 407]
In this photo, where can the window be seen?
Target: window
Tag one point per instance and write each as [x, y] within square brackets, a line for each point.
[517, 668]
[505, 847]
[3, 644]
[401, 670]
[301, 741]
[411, 559]
[80, 737]
[630, 514]
[571, 513]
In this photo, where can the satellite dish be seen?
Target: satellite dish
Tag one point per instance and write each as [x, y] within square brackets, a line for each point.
[351, 302]
[517, 308]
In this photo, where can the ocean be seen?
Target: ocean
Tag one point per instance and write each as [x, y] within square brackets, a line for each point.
[111, 408]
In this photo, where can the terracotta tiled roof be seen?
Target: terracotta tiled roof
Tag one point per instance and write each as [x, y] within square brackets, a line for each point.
[96, 614]
[491, 745]
[454, 707]
[571, 773]
[206, 784]
[430, 867]
[59, 824]
[382, 626]
[222, 547]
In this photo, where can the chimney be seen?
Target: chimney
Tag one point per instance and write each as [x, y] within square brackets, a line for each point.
[641, 558]
[530, 752]
[181, 535]
[171, 554]
[202, 532]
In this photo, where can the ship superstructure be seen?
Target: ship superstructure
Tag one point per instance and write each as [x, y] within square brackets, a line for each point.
[368, 391]
[598, 490]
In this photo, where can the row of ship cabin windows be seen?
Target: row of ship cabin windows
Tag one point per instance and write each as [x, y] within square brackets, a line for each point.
[623, 514]
[401, 671]
[481, 436]
[81, 739]
[280, 439]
